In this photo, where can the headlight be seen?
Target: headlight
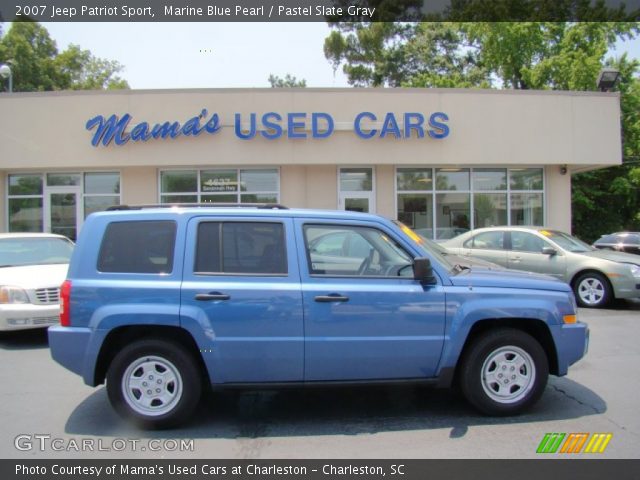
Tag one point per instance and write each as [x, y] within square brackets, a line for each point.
[13, 295]
[635, 270]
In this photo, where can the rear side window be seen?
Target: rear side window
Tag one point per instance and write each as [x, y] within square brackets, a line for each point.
[138, 247]
[486, 240]
[241, 248]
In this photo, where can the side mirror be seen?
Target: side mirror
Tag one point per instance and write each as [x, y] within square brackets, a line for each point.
[422, 271]
[549, 251]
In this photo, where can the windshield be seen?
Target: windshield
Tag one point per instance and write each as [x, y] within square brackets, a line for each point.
[18, 252]
[429, 247]
[567, 242]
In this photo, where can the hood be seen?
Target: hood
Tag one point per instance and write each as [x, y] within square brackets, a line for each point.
[613, 256]
[34, 276]
[508, 279]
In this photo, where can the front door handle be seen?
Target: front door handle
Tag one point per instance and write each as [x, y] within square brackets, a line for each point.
[334, 297]
[211, 296]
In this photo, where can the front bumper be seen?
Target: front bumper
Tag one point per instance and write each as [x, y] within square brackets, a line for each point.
[625, 287]
[572, 343]
[22, 316]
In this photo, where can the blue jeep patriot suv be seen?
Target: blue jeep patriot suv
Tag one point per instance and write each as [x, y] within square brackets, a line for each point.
[161, 302]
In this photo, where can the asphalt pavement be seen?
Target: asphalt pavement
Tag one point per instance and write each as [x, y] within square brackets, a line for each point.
[47, 412]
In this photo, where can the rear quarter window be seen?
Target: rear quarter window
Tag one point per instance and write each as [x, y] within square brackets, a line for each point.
[138, 247]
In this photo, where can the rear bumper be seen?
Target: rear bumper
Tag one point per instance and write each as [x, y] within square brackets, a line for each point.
[572, 343]
[68, 346]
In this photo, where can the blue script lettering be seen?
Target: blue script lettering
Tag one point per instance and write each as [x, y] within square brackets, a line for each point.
[115, 129]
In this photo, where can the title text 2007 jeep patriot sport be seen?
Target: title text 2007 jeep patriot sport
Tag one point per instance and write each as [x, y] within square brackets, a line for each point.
[159, 301]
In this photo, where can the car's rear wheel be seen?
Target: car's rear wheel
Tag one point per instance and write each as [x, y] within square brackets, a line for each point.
[154, 383]
[503, 372]
[592, 290]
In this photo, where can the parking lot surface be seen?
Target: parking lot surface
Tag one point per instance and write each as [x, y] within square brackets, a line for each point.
[47, 412]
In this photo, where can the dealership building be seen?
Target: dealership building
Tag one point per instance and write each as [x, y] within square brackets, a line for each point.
[440, 160]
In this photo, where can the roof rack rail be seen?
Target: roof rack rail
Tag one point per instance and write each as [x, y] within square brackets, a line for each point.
[265, 206]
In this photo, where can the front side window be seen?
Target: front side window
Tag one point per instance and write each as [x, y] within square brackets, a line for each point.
[138, 247]
[256, 248]
[354, 251]
[526, 242]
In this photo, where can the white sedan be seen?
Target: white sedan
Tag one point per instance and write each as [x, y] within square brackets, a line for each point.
[32, 268]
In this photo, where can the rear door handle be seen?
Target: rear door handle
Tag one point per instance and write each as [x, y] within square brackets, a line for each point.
[204, 297]
[334, 297]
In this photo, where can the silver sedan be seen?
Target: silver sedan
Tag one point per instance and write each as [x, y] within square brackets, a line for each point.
[596, 276]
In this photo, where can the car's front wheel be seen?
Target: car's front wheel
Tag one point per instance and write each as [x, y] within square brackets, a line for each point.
[155, 383]
[503, 372]
[592, 290]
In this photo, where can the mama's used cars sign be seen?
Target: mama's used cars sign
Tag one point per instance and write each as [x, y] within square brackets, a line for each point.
[270, 125]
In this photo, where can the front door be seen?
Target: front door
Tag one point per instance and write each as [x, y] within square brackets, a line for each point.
[63, 214]
[365, 317]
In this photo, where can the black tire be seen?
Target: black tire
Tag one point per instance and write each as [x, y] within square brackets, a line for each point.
[482, 354]
[152, 361]
[602, 294]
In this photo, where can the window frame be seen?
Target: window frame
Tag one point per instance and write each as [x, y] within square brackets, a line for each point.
[43, 176]
[433, 192]
[199, 193]
[172, 261]
[307, 251]
[222, 221]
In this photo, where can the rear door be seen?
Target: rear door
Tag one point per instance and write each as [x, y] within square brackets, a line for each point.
[241, 295]
[366, 317]
[488, 246]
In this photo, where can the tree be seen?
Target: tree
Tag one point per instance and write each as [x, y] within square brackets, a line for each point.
[38, 66]
[289, 81]
[515, 55]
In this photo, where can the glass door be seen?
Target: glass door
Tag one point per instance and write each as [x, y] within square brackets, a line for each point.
[356, 192]
[62, 211]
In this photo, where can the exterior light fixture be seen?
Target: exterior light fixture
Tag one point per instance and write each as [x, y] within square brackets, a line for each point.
[5, 72]
[607, 79]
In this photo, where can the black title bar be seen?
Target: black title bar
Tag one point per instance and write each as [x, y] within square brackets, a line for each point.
[320, 469]
[318, 10]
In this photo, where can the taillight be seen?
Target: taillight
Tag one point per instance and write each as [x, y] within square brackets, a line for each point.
[65, 303]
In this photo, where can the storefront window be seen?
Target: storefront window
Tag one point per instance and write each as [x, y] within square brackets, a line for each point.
[526, 209]
[452, 215]
[466, 198]
[489, 179]
[489, 209]
[101, 191]
[416, 211]
[526, 178]
[25, 214]
[220, 186]
[25, 184]
[452, 179]
[179, 181]
[414, 179]
[62, 179]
